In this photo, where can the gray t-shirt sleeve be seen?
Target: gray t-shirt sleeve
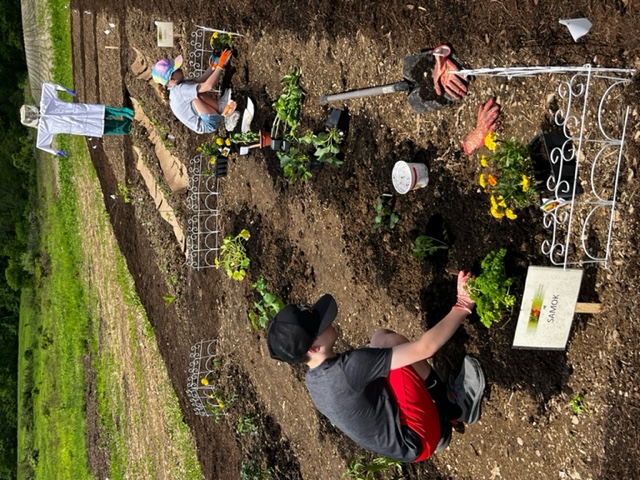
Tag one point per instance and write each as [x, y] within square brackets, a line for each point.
[363, 366]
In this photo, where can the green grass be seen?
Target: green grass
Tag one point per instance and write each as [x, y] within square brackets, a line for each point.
[60, 325]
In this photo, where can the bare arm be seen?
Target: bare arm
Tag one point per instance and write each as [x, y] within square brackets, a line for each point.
[430, 342]
[211, 79]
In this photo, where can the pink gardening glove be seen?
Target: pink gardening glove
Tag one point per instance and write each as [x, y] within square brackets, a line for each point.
[444, 76]
[487, 122]
[464, 302]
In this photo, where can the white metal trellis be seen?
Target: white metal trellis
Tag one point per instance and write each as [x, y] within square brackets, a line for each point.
[201, 49]
[201, 381]
[203, 230]
[596, 148]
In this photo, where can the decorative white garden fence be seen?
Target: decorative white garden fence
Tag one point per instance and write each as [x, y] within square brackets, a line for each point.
[203, 230]
[201, 50]
[201, 381]
[593, 118]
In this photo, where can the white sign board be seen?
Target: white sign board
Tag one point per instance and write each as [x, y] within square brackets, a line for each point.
[165, 34]
[548, 306]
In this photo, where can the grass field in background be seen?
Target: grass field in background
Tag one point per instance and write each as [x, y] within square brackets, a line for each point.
[60, 328]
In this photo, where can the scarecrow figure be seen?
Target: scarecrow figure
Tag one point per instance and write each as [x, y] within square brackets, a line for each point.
[57, 116]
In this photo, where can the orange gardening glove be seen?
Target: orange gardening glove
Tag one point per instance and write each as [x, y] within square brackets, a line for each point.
[444, 76]
[464, 302]
[220, 61]
[487, 122]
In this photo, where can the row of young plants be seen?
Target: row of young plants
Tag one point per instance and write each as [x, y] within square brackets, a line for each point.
[490, 289]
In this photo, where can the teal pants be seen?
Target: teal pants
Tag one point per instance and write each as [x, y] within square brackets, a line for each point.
[117, 121]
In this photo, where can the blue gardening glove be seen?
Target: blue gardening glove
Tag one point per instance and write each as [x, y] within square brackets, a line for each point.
[60, 153]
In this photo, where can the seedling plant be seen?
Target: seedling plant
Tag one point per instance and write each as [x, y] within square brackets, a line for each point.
[267, 307]
[578, 405]
[326, 144]
[388, 467]
[426, 245]
[490, 289]
[251, 470]
[385, 214]
[287, 106]
[247, 424]
[233, 256]
[294, 165]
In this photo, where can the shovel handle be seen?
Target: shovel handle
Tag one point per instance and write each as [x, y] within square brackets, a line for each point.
[366, 92]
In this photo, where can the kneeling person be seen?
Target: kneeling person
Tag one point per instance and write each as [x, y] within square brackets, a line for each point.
[386, 398]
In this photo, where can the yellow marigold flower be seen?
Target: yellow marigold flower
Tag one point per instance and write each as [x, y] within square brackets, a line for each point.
[501, 201]
[244, 234]
[216, 263]
[229, 35]
[227, 142]
[494, 204]
[482, 181]
[199, 148]
[238, 275]
[510, 215]
[483, 161]
[212, 161]
[497, 213]
[525, 183]
[215, 34]
[220, 403]
[490, 141]
[204, 381]
[219, 141]
[493, 181]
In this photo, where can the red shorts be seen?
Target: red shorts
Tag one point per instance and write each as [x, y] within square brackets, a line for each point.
[417, 410]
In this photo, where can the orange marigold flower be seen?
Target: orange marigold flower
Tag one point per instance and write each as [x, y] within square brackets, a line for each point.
[493, 181]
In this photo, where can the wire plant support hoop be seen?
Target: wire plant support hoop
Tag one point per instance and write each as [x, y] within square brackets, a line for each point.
[203, 229]
[201, 382]
[594, 119]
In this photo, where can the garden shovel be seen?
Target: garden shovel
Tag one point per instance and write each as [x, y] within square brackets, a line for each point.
[417, 80]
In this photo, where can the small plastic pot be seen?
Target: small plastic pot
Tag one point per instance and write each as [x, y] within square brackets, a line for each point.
[276, 144]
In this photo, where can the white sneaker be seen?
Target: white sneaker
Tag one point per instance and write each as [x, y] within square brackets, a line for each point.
[231, 121]
[224, 99]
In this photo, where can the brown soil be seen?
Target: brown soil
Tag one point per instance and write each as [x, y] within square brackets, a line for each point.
[317, 237]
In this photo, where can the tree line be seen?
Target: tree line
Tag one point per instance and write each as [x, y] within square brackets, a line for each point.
[18, 232]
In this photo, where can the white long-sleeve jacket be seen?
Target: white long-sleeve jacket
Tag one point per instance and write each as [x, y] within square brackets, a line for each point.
[58, 116]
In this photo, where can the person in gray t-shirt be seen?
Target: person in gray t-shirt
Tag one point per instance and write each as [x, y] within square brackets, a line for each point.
[386, 398]
[187, 98]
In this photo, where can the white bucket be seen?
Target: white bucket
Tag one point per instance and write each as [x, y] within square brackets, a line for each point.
[409, 176]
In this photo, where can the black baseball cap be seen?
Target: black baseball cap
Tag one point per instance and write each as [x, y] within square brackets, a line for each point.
[296, 327]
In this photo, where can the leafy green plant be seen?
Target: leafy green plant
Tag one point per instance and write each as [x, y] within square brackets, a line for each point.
[327, 145]
[490, 289]
[168, 300]
[384, 214]
[578, 405]
[388, 467]
[233, 256]
[251, 470]
[124, 192]
[294, 165]
[426, 245]
[287, 106]
[220, 41]
[247, 424]
[507, 177]
[244, 137]
[267, 307]
[219, 404]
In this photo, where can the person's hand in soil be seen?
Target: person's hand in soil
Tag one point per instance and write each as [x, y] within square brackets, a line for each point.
[444, 76]
[463, 301]
[487, 122]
